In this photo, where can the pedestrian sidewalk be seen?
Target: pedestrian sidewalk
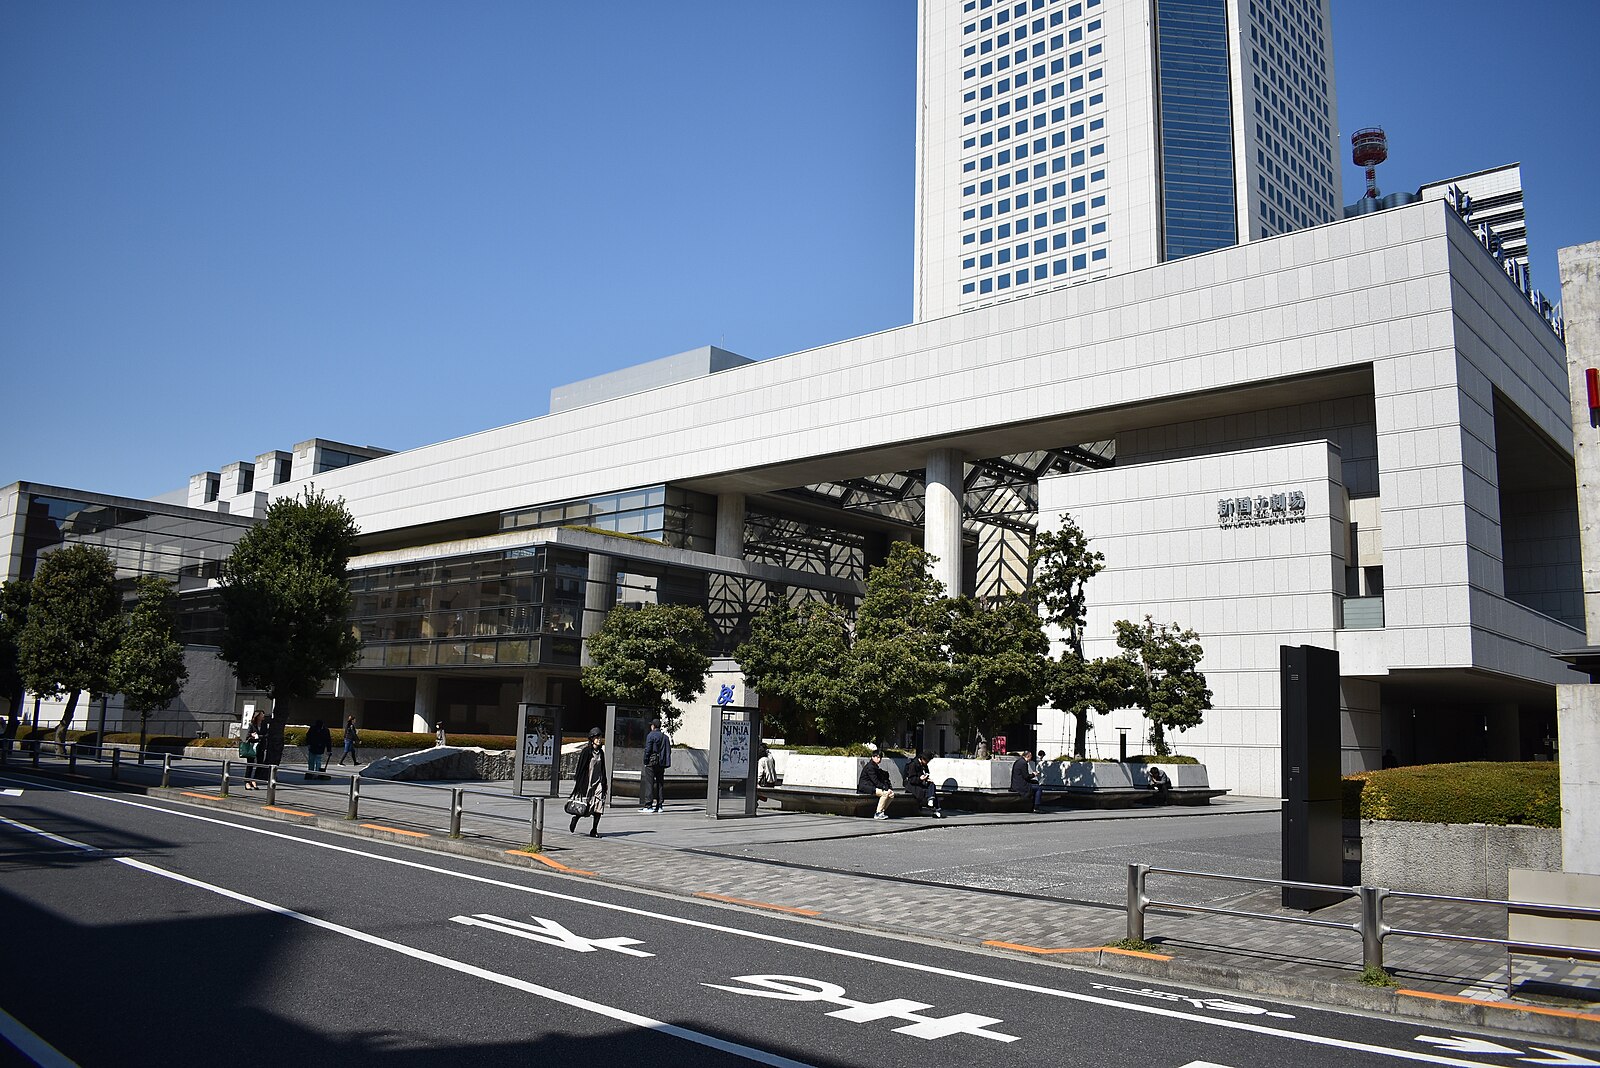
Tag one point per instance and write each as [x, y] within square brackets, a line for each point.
[683, 851]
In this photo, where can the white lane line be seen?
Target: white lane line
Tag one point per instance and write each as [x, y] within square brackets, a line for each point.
[928, 969]
[32, 1046]
[610, 1012]
[86, 847]
[11, 793]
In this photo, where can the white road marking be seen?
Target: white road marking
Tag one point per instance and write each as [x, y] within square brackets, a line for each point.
[32, 1046]
[1204, 1064]
[11, 793]
[891, 962]
[1557, 1057]
[798, 988]
[71, 843]
[552, 933]
[1215, 1004]
[610, 1012]
[1458, 1044]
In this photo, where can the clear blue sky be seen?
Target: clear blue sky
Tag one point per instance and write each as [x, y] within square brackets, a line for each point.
[228, 227]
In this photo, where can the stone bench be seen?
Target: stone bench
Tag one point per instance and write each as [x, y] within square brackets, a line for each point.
[836, 800]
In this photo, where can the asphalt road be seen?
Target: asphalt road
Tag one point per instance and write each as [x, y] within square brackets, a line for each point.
[146, 932]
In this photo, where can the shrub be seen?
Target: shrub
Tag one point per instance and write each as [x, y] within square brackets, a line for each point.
[855, 749]
[1152, 758]
[1477, 792]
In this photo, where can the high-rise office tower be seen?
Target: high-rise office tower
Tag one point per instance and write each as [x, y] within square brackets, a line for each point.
[1061, 140]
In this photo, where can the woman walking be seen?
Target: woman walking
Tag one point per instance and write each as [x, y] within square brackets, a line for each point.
[351, 737]
[590, 782]
[254, 748]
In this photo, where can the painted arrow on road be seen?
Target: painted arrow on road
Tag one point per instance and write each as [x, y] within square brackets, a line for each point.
[1458, 1044]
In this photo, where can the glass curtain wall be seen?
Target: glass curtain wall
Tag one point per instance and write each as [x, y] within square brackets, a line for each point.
[1196, 117]
[187, 550]
[674, 517]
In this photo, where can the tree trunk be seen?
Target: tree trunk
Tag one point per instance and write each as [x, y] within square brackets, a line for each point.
[1080, 733]
[144, 723]
[66, 722]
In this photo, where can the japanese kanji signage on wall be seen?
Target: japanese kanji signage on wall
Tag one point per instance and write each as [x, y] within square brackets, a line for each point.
[1262, 509]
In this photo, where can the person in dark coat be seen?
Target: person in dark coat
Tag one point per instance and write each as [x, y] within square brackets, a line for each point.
[1023, 779]
[657, 755]
[875, 780]
[919, 780]
[318, 742]
[590, 781]
[1158, 780]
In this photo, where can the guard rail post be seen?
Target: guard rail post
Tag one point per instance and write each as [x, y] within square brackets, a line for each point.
[36, 747]
[536, 844]
[350, 812]
[166, 770]
[272, 784]
[457, 803]
[72, 758]
[1371, 925]
[1136, 900]
[224, 792]
[116, 762]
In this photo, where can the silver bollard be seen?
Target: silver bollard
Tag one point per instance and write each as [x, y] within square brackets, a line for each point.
[272, 784]
[457, 804]
[1371, 925]
[1136, 900]
[355, 798]
[224, 778]
[166, 770]
[116, 762]
[72, 758]
[537, 843]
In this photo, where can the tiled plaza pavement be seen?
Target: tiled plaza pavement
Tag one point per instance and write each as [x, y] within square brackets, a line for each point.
[1052, 882]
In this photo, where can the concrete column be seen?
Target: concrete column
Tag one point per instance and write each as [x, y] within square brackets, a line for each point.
[599, 595]
[1578, 706]
[1580, 306]
[730, 525]
[424, 713]
[942, 516]
[533, 688]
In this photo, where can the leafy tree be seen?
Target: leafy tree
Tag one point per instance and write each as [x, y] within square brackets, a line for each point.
[147, 668]
[1078, 686]
[797, 656]
[72, 627]
[13, 616]
[999, 662]
[1062, 565]
[286, 601]
[898, 664]
[647, 654]
[1165, 680]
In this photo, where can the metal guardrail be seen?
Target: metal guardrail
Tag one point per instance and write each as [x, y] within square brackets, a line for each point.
[227, 771]
[1369, 924]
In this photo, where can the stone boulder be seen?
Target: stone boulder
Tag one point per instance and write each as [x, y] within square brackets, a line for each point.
[443, 762]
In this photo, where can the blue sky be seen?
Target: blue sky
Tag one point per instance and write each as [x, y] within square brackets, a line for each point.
[229, 227]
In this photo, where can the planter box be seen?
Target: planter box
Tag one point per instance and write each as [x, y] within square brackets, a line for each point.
[954, 774]
[836, 772]
[1458, 859]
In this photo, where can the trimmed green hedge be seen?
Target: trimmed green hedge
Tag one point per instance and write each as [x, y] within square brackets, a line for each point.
[1477, 792]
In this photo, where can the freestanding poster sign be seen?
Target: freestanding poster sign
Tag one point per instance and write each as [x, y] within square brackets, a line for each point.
[538, 743]
[735, 734]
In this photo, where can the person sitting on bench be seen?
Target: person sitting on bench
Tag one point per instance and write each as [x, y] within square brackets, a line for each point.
[1158, 780]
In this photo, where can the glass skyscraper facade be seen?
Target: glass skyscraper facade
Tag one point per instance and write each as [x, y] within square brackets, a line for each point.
[1195, 105]
[1063, 140]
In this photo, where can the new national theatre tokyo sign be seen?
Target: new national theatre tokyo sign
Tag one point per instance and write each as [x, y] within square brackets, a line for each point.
[1262, 509]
